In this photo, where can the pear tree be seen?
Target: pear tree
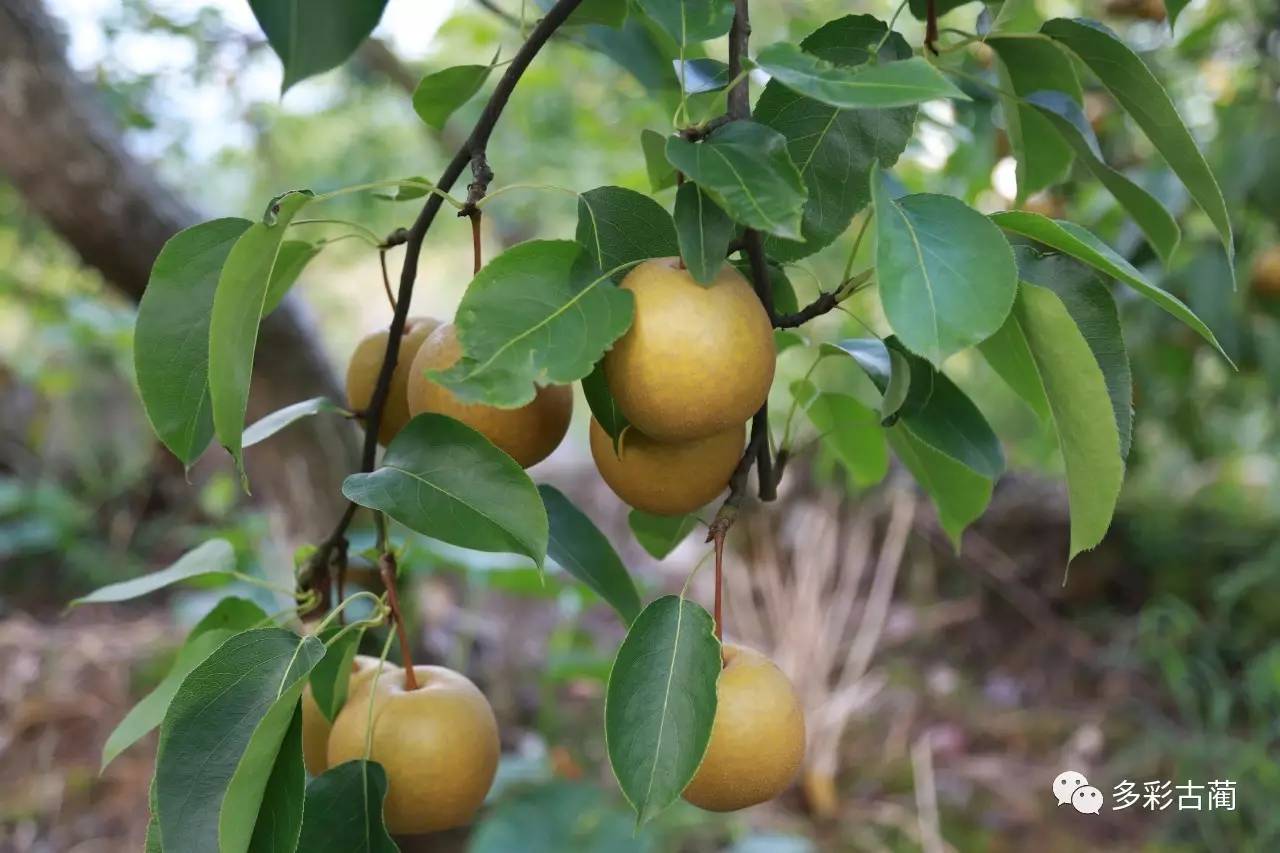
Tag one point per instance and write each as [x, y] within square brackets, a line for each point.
[669, 309]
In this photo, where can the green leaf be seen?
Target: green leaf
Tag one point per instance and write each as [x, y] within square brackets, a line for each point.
[1088, 300]
[230, 616]
[332, 676]
[1174, 9]
[221, 735]
[785, 339]
[413, 188]
[959, 495]
[746, 169]
[271, 424]
[947, 276]
[661, 173]
[1016, 16]
[853, 433]
[605, 13]
[661, 702]
[1072, 240]
[292, 260]
[942, 7]
[1009, 354]
[214, 557]
[438, 95]
[784, 294]
[1069, 121]
[279, 819]
[660, 534]
[895, 84]
[344, 811]
[617, 226]
[1032, 65]
[602, 404]
[1081, 406]
[584, 552]
[540, 313]
[835, 148]
[152, 843]
[171, 338]
[688, 21]
[1127, 77]
[904, 381]
[318, 36]
[697, 76]
[933, 410]
[237, 311]
[445, 480]
[704, 231]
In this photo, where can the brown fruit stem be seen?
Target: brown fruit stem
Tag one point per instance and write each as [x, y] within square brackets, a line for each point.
[387, 567]
[475, 242]
[718, 538]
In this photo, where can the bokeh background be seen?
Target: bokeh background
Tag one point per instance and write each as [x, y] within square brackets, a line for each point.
[944, 691]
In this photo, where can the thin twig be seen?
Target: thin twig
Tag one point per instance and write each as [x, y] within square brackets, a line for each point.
[471, 153]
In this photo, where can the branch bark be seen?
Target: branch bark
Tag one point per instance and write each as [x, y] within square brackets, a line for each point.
[63, 152]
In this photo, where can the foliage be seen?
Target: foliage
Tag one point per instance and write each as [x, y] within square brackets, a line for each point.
[1023, 290]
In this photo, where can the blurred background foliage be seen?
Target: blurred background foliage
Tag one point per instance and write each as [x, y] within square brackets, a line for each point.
[1159, 659]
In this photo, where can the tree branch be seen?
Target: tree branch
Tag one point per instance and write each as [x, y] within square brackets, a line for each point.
[824, 303]
[472, 153]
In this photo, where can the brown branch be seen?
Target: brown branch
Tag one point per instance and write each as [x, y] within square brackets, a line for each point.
[931, 27]
[471, 153]
[824, 303]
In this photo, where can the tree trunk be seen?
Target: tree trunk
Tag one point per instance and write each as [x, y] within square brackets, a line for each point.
[65, 155]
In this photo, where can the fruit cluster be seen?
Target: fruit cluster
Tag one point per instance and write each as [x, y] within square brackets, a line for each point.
[695, 365]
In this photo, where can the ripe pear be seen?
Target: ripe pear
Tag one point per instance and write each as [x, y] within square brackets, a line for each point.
[697, 360]
[527, 434]
[366, 362]
[316, 726]
[438, 744]
[662, 478]
[757, 739]
[1265, 276]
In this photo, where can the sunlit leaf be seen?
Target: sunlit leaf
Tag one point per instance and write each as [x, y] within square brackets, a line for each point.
[661, 173]
[697, 76]
[230, 616]
[959, 495]
[660, 534]
[1129, 79]
[661, 702]
[540, 313]
[290, 262]
[316, 36]
[704, 232]
[439, 94]
[688, 21]
[1073, 240]
[271, 424]
[237, 312]
[1068, 120]
[214, 557]
[834, 148]
[746, 169]
[579, 547]
[221, 735]
[894, 84]
[171, 338]
[947, 276]
[1026, 66]
[343, 811]
[443, 479]
[853, 433]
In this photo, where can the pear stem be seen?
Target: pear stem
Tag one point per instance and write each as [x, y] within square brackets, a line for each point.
[476, 251]
[718, 538]
[387, 567]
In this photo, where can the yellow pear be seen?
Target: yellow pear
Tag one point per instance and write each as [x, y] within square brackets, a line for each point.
[757, 739]
[438, 745]
[697, 360]
[527, 434]
[667, 479]
[316, 726]
[1265, 275]
[366, 362]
